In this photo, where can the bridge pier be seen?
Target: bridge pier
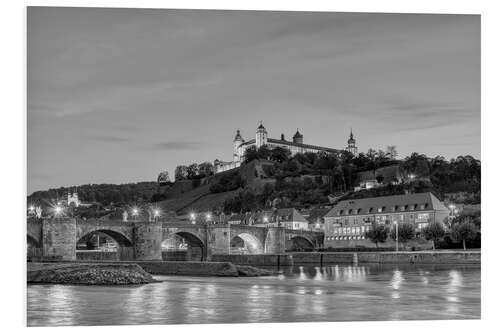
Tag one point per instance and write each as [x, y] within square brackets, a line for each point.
[59, 238]
[275, 240]
[147, 240]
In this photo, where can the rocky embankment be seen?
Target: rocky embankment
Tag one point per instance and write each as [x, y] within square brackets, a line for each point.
[87, 273]
[253, 271]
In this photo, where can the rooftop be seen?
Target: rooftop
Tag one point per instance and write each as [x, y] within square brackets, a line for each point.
[388, 204]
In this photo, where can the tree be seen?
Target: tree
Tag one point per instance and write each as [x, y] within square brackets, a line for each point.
[280, 154]
[251, 154]
[391, 152]
[377, 234]
[463, 232]
[406, 232]
[434, 232]
[192, 171]
[206, 169]
[180, 172]
[264, 152]
[163, 178]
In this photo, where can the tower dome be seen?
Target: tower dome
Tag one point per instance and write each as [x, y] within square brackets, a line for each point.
[297, 137]
[351, 145]
[260, 136]
[238, 136]
[351, 139]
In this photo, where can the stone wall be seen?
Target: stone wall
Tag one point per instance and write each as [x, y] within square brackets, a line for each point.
[59, 238]
[255, 259]
[147, 240]
[275, 241]
[325, 258]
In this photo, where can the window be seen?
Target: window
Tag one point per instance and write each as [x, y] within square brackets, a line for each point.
[341, 212]
[370, 210]
[405, 207]
[350, 211]
[362, 229]
[396, 208]
[379, 210]
[359, 211]
[358, 230]
[423, 216]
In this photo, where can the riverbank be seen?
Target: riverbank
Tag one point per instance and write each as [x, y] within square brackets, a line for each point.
[87, 273]
[137, 272]
[325, 258]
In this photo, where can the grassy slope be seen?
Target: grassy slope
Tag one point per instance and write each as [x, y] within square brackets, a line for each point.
[183, 199]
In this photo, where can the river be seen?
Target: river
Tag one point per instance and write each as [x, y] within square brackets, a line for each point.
[298, 294]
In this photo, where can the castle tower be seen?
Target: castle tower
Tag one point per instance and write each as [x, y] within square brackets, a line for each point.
[298, 138]
[260, 136]
[238, 140]
[73, 199]
[351, 145]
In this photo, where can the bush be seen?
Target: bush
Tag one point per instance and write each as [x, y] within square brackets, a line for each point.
[406, 232]
[463, 232]
[378, 234]
[434, 232]
[227, 182]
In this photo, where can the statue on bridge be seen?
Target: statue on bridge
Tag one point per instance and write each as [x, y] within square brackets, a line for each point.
[125, 216]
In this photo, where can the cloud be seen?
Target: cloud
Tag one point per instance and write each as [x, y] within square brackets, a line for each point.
[108, 138]
[177, 145]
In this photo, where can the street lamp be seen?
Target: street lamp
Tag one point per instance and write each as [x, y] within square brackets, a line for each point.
[156, 214]
[192, 217]
[208, 217]
[452, 208]
[57, 210]
[135, 212]
[266, 219]
[397, 236]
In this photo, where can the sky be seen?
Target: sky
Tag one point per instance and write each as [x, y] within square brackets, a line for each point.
[118, 95]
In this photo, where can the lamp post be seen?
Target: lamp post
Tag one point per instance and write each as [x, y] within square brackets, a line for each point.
[397, 236]
[156, 214]
[192, 217]
[58, 210]
[453, 210]
[208, 217]
[135, 212]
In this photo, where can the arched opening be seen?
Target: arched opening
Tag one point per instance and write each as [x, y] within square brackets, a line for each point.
[245, 244]
[34, 249]
[104, 245]
[299, 244]
[183, 246]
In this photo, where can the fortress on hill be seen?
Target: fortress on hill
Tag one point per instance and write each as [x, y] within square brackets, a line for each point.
[295, 146]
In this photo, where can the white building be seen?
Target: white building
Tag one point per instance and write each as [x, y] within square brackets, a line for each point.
[295, 146]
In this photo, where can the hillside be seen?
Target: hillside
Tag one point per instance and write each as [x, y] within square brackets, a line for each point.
[196, 194]
[304, 181]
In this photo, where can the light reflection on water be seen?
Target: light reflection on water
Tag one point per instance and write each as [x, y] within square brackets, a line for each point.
[300, 293]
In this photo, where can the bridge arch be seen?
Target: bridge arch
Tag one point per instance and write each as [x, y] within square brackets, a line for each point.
[124, 246]
[246, 243]
[32, 242]
[300, 243]
[181, 241]
[118, 237]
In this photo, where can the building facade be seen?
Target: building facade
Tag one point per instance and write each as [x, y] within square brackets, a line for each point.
[347, 222]
[295, 146]
[288, 218]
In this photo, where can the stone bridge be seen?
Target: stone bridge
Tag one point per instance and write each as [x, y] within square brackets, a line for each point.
[143, 240]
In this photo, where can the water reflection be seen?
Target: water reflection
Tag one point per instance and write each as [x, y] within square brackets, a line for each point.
[304, 293]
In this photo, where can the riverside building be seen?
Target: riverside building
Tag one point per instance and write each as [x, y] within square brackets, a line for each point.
[347, 222]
